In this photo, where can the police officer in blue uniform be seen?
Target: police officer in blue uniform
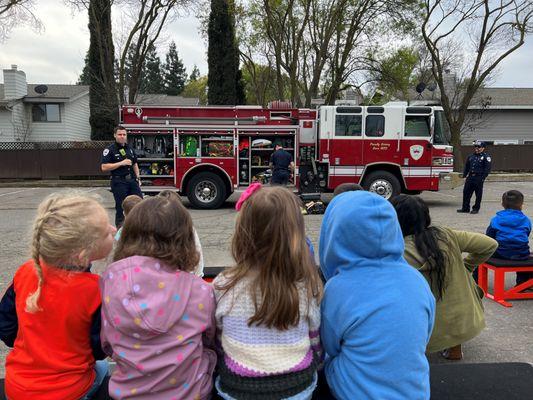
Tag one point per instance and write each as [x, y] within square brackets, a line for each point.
[282, 166]
[119, 158]
[477, 168]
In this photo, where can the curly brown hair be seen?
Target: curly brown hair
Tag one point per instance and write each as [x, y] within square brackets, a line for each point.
[161, 228]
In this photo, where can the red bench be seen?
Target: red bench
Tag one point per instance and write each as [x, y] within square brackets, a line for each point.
[500, 268]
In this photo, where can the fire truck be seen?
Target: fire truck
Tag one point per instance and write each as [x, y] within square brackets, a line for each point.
[208, 152]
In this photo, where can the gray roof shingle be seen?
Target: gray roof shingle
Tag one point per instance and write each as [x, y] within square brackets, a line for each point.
[499, 97]
[55, 91]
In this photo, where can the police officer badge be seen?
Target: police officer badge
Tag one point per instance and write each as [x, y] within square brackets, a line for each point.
[416, 151]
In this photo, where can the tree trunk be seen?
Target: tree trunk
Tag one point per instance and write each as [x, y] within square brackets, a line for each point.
[455, 140]
[102, 94]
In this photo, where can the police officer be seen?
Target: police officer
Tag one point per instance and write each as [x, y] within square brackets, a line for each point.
[282, 166]
[477, 168]
[121, 161]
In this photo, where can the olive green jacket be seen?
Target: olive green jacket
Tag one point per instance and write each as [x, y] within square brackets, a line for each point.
[459, 316]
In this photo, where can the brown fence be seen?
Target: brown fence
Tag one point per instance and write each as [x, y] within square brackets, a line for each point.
[508, 158]
[57, 160]
[67, 160]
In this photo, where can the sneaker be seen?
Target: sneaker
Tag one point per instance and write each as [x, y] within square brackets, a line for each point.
[463, 211]
[474, 211]
[454, 353]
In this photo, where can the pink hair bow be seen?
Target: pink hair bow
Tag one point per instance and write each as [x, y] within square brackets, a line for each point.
[254, 187]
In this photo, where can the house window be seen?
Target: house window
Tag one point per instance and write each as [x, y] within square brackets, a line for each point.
[375, 125]
[45, 113]
[417, 126]
[348, 125]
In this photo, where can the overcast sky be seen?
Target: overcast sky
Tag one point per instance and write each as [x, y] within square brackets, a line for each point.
[56, 55]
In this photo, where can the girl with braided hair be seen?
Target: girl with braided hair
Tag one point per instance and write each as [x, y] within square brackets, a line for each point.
[50, 314]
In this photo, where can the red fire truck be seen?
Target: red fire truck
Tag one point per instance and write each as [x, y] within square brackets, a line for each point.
[207, 153]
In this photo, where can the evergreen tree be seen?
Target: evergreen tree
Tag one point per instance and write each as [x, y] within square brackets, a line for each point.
[151, 80]
[195, 73]
[85, 77]
[240, 91]
[103, 103]
[221, 54]
[174, 73]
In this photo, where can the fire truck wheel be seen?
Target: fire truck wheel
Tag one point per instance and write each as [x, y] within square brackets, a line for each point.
[383, 183]
[206, 190]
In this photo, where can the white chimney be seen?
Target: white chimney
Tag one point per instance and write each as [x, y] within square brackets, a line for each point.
[15, 85]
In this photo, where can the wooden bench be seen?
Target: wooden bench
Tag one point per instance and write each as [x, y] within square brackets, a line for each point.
[500, 267]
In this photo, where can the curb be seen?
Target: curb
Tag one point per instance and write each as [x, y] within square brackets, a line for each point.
[510, 177]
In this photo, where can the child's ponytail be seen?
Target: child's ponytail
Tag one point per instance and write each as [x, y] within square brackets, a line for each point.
[33, 299]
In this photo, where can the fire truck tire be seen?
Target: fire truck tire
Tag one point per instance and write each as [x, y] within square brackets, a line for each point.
[383, 183]
[206, 191]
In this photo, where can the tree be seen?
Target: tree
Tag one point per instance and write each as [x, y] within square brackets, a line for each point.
[174, 73]
[102, 92]
[197, 88]
[195, 73]
[321, 44]
[467, 40]
[394, 74]
[85, 77]
[15, 13]
[222, 55]
[147, 18]
[151, 79]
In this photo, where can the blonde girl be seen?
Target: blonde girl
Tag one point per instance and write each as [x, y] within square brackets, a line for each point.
[268, 313]
[50, 314]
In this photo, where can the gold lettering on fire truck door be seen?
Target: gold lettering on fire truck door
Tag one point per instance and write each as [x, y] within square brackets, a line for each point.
[379, 146]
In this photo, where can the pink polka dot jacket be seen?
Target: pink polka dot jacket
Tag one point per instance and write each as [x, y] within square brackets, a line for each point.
[158, 325]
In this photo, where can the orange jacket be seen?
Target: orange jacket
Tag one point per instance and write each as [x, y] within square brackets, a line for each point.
[52, 356]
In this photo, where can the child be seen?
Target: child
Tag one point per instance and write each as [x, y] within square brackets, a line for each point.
[437, 253]
[346, 187]
[50, 313]
[268, 313]
[199, 270]
[377, 312]
[158, 319]
[127, 205]
[511, 228]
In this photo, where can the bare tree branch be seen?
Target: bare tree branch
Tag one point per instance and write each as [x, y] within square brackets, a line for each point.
[15, 13]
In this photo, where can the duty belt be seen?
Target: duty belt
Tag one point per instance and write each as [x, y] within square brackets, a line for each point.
[125, 177]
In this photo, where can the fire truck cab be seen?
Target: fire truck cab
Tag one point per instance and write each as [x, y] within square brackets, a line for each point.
[206, 153]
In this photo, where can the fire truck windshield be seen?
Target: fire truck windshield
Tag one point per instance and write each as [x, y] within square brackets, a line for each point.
[442, 129]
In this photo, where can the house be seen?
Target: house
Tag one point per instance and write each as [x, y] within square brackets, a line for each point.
[55, 113]
[42, 113]
[506, 119]
[495, 115]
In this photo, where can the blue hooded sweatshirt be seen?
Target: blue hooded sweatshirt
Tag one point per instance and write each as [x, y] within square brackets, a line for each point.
[511, 229]
[377, 312]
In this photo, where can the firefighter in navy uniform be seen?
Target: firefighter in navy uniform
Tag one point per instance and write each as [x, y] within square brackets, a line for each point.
[119, 158]
[282, 166]
[477, 168]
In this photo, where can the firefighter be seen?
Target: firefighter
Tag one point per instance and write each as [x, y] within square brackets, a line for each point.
[477, 168]
[282, 166]
[119, 158]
